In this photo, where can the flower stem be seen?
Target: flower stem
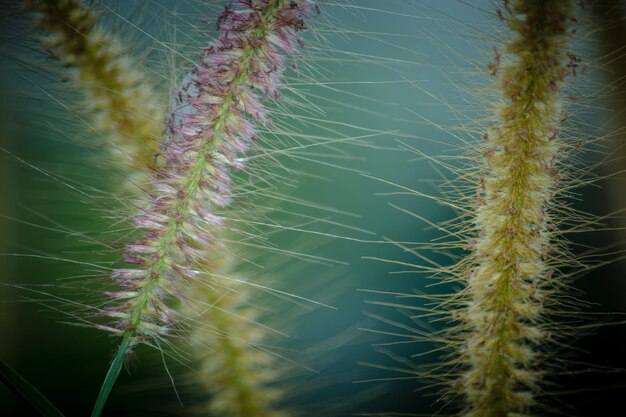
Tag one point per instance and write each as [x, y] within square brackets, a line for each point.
[111, 377]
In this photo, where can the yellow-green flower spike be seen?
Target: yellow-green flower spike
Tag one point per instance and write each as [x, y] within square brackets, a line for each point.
[119, 97]
[508, 277]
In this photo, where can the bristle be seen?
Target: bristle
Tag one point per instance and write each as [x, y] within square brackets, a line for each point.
[120, 99]
[507, 285]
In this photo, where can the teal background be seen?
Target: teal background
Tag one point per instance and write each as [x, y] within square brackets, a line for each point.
[412, 72]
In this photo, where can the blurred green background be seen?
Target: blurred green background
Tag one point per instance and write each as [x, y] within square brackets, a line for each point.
[404, 72]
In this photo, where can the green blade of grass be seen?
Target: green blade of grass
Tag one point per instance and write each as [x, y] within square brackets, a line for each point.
[23, 389]
[109, 380]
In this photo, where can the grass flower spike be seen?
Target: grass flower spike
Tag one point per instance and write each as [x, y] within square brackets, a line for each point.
[120, 99]
[210, 128]
[509, 280]
[234, 365]
[182, 176]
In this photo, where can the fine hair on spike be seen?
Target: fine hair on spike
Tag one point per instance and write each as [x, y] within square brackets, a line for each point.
[120, 98]
[495, 328]
[509, 280]
[210, 127]
[215, 187]
[218, 311]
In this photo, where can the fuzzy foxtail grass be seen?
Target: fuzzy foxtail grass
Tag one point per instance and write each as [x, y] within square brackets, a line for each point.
[209, 129]
[120, 98]
[217, 112]
[511, 278]
[508, 278]
[507, 307]
[182, 290]
[234, 366]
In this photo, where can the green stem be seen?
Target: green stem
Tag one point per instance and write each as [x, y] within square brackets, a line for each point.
[109, 380]
[24, 390]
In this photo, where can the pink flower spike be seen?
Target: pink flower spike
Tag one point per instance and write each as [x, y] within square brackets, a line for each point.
[211, 128]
